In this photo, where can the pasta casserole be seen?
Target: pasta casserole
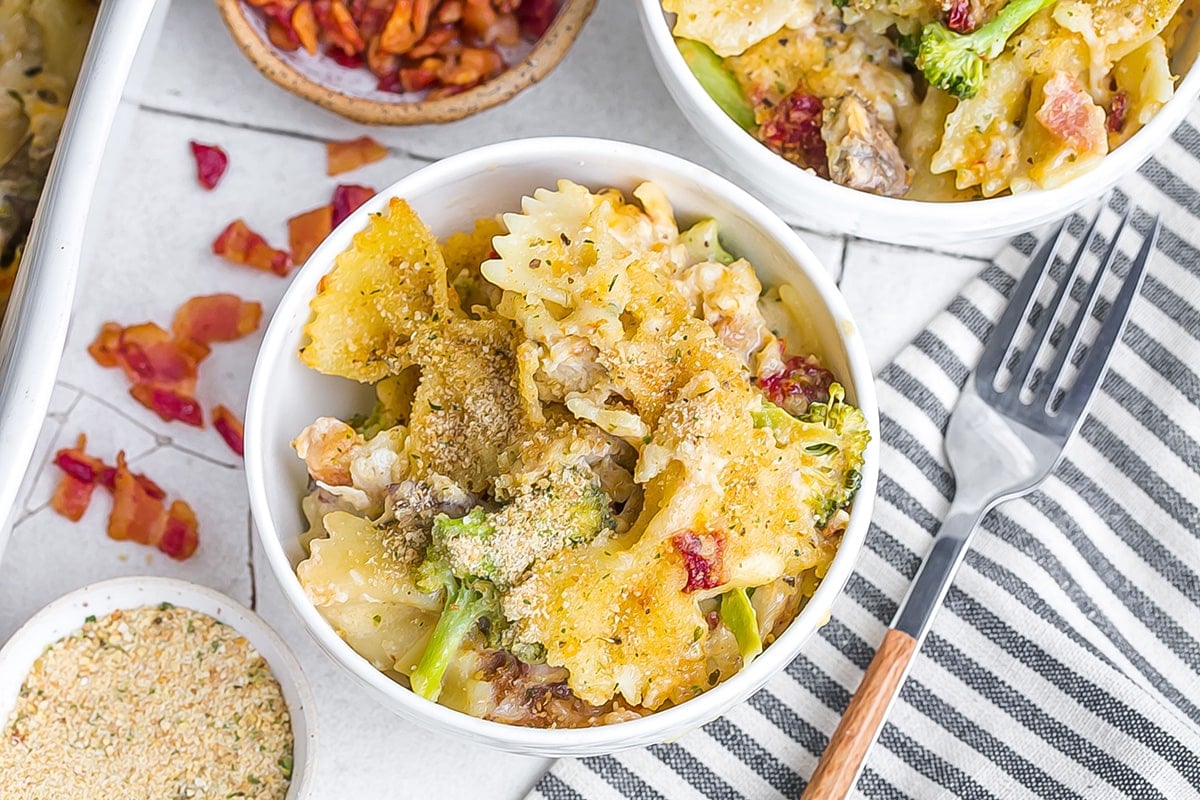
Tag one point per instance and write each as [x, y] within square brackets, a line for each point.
[604, 469]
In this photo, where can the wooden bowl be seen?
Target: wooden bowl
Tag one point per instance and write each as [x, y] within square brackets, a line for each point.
[352, 92]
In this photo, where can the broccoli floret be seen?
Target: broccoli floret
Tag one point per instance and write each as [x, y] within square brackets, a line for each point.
[470, 602]
[560, 511]
[955, 61]
[834, 435]
[740, 618]
[717, 81]
[703, 243]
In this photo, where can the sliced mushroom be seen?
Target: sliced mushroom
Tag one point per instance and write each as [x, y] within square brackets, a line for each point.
[862, 154]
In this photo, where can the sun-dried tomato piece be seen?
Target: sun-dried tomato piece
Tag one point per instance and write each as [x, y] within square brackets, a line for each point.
[168, 403]
[703, 557]
[794, 131]
[180, 536]
[346, 198]
[536, 16]
[803, 381]
[136, 514]
[306, 231]
[1118, 109]
[345, 156]
[216, 318]
[230, 428]
[211, 162]
[304, 25]
[238, 244]
[960, 17]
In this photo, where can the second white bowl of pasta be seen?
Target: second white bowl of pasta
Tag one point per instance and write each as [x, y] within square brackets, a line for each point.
[562, 445]
[928, 122]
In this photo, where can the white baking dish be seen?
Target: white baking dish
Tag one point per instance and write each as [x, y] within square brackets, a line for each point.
[35, 326]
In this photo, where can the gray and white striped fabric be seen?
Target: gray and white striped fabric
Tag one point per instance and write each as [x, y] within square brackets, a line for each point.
[1066, 661]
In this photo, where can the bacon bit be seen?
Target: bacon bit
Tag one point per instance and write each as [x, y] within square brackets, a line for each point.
[238, 244]
[168, 404]
[802, 381]
[1118, 109]
[703, 558]
[406, 25]
[306, 231]
[347, 197]
[180, 536]
[211, 162]
[794, 131]
[230, 428]
[138, 512]
[216, 318]
[104, 347]
[281, 34]
[345, 156]
[1068, 114]
[339, 27]
[536, 16]
[347, 60]
[960, 18]
[304, 24]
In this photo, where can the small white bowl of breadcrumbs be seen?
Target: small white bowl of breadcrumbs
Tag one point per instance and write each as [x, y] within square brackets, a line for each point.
[152, 688]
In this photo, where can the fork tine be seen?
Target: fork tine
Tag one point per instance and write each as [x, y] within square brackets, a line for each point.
[1092, 368]
[1070, 338]
[1022, 372]
[1005, 332]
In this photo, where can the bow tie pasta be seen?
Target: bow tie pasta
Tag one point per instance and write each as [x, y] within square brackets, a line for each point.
[595, 483]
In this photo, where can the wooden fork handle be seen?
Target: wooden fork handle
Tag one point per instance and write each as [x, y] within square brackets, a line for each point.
[839, 765]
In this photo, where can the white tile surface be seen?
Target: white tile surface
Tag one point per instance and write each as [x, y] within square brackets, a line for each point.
[158, 226]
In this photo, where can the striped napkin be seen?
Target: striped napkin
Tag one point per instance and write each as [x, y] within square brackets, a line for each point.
[1066, 660]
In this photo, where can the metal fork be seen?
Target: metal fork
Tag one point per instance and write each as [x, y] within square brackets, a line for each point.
[1001, 443]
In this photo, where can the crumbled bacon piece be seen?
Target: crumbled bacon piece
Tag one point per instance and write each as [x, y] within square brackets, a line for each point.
[240, 245]
[803, 381]
[307, 230]
[345, 156]
[230, 428]
[211, 162]
[216, 318]
[163, 367]
[180, 535]
[960, 18]
[703, 557]
[1069, 113]
[346, 199]
[393, 38]
[168, 404]
[536, 16]
[304, 24]
[794, 131]
[1118, 109]
[138, 514]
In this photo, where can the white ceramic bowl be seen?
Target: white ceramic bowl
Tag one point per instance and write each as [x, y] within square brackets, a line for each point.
[823, 205]
[66, 615]
[286, 396]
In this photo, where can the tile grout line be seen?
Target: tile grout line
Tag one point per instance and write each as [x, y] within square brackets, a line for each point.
[308, 137]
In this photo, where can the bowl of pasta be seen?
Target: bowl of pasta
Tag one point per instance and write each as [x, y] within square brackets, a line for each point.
[564, 446]
[929, 121]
